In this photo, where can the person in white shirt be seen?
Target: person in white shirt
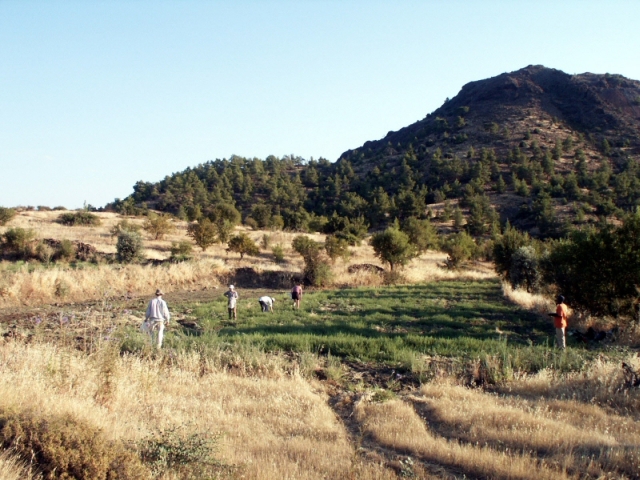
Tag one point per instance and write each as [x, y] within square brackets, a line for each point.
[267, 303]
[232, 295]
[157, 314]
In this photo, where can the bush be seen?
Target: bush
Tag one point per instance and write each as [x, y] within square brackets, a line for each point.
[243, 245]
[204, 233]
[525, 269]
[265, 241]
[316, 269]
[422, 235]
[6, 215]
[192, 456]
[65, 447]
[278, 253]
[129, 247]
[505, 246]
[158, 225]
[337, 248]
[393, 246]
[181, 251]
[44, 252]
[72, 219]
[66, 251]
[19, 242]
[460, 248]
[598, 270]
[124, 226]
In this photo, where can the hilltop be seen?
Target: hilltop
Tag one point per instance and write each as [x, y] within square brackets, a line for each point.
[538, 147]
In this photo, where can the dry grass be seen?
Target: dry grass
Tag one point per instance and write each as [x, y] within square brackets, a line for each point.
[12, 468]
[570, 434]
[273, 428]
[29, 286]
[529, 301]
[395, 425]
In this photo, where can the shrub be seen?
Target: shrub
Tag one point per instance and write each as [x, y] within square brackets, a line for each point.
[44, 252]
[393, 246]
[19, 242]
[337, 248]
[66, 251]
[203, 233]
[598, 270]
[72, 219]
[278, 253]
[505, 246]
[422, 235]
[6, 215]
[158, 225]
[181, 251]
[192, 456]
[265, 241]
[316, 269]
[305, 246]
[65, 447]
[460, 248]
[123, 226]
[129, 247]
[525, 269]
[243, 245]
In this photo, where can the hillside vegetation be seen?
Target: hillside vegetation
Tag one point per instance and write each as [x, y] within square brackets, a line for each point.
[538, 147]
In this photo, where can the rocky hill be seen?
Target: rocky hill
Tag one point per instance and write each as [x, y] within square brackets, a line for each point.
[571, 138]
[538, 147]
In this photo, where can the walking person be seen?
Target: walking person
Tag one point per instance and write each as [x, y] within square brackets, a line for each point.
[560, 322]
[232, 295]
[266, 303]
[156, 316]
[296, 295]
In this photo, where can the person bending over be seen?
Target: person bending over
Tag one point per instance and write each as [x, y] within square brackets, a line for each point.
[266, 303]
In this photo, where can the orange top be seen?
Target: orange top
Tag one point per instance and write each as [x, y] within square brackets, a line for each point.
[560, 320]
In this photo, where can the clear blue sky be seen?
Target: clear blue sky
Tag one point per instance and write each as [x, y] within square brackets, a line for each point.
[97, 95]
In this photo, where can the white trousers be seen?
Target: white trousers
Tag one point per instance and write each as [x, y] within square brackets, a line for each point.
[154, 327]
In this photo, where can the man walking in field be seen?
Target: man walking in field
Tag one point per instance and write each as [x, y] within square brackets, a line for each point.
[560, 322]
[157, 314]
[296, 295]
[232, 295]
[266, 303]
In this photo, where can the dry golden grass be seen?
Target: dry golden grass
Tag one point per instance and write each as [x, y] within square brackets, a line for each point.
[395, 425]
[529, 301]
[12, 468]
[273, 428]
[572, 435]
[29, 286]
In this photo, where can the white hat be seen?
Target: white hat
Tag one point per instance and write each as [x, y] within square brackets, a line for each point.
[273, 299]
[231, 287]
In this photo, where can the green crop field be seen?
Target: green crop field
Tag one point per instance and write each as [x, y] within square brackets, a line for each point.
[396, 326]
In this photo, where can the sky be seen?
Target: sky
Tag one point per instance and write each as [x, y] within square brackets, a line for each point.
[96, 95]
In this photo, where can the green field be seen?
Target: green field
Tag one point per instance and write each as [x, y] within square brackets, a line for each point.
[397, 326]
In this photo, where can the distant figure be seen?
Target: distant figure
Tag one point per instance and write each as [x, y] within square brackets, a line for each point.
[157, 314]
[296, 295]
[560, 322]
[266, 303]
[232, 295]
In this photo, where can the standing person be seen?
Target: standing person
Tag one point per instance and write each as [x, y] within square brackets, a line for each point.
[157, 314]
[232, 295]
[296, 295]
[560, 322]
[267, 303]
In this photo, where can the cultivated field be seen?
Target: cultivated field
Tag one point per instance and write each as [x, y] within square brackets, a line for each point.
[445, 376]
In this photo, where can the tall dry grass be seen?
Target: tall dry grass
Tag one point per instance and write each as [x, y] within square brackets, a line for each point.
[274, 427]
[13, 468]
[60, 283]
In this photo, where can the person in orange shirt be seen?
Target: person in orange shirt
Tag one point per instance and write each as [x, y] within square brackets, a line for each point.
[560, 322]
